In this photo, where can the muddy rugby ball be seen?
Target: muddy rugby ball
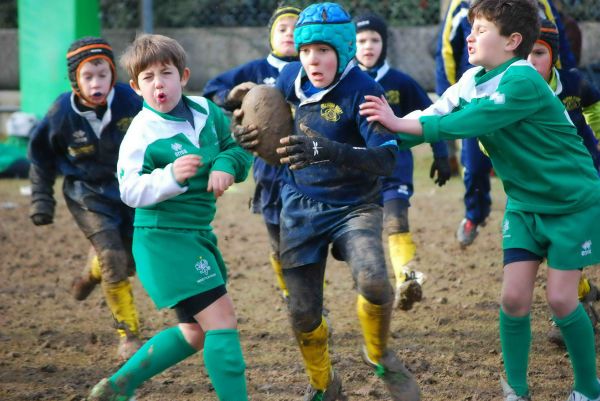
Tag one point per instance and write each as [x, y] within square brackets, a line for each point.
[265, 107]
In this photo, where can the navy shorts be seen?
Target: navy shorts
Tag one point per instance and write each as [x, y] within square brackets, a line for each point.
[309, 226]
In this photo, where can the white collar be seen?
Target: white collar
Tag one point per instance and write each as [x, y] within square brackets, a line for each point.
[319, 95]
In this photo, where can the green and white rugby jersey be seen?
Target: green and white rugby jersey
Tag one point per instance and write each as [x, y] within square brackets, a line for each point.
[533, 145]
[153, 142]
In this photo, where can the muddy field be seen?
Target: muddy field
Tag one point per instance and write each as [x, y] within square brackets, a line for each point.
[55, 348]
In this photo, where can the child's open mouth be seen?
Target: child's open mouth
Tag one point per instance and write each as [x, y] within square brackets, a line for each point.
[97, 95]
[161, 97]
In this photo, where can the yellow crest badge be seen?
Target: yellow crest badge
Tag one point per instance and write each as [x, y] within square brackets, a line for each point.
[124, 123]
[331, 112]
[572, 102]
[393, 96]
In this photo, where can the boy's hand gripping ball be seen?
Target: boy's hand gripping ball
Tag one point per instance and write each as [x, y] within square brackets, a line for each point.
[265, 119]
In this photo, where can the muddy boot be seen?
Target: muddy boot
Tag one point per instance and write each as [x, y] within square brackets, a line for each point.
[408, 291]
[398, 380]
[128, 344]
[332, 392]
[555, 336]
[103, 391]
[82, 286]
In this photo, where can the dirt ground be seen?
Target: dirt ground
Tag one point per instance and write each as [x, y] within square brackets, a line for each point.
[55, 348]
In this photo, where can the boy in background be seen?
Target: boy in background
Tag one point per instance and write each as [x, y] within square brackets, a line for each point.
[177, 158]
[553, 202]
[80, 138]
[582, 102]
[228, 89]
[404, 95]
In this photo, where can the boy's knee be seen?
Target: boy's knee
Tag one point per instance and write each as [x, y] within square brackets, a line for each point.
[375, 288]
[514, 303]
[304, 318]
[561, 303]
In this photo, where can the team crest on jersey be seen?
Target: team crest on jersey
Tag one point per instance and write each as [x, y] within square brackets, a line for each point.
[124, 123]
[586, 248]
[178, 149]
[331, 112]
[79, 137]
[505, 228]
[572, 102]
[202, 266]
[393, 96]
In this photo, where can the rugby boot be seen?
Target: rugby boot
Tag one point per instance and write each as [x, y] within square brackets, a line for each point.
[331, 393]
[467, 232]
[509, 394]
[409, 291]
[103, 391]
[398, 380]
[82, 286]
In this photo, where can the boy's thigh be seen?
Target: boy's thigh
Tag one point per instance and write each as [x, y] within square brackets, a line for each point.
[568, 241]
[90, 222]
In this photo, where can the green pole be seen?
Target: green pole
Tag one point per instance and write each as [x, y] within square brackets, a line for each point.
[46, 29]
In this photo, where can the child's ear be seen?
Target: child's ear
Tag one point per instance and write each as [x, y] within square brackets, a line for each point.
[185, 77]
[513, 42]
[135, 87]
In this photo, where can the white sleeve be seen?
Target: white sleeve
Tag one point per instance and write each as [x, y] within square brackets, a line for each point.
[450, 99]
[140, 189]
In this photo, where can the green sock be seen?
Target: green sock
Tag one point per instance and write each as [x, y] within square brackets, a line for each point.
[162, 351]
[515, 338]
[578, 334]
[225, 364]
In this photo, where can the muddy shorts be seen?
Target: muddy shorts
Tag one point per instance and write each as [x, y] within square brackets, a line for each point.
[176, 264]
[308, 226]
[110, 231]
[568, 241]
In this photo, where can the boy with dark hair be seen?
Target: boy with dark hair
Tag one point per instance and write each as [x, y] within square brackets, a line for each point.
[452, 60]
[229, 88]
[176, 159]
[552, 187]
[79, 138]
[331, 196]
[404, 95]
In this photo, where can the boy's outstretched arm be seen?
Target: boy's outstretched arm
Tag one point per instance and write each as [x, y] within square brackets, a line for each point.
[301, 151]
[378, 109]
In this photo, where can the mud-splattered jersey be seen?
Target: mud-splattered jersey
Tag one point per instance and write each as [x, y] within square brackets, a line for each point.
[333, 112]
[83, 148]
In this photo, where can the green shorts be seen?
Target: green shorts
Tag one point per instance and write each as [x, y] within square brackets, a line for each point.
[567, 241]
[177, 264]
